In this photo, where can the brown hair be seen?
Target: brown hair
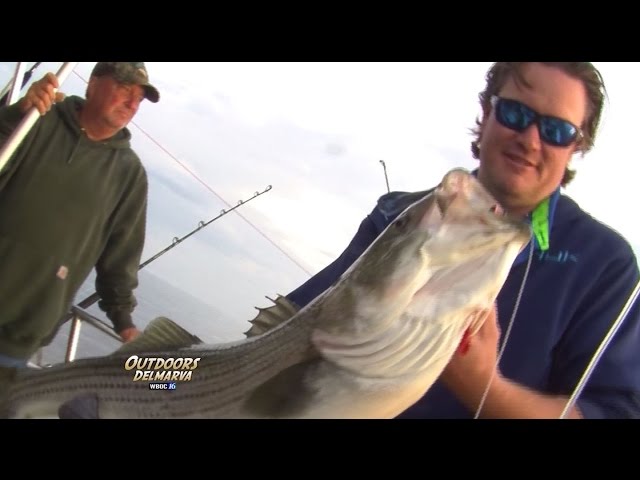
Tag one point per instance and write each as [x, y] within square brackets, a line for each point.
[500, 72]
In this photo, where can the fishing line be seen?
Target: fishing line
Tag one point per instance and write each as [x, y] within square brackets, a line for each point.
[506, 335]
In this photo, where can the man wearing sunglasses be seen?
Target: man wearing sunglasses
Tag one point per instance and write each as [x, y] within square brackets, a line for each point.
[535, 118]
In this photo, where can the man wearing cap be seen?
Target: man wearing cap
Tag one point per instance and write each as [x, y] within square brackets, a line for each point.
[73, 197]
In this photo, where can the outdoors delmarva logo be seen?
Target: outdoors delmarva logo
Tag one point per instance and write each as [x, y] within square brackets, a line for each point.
[161, 373]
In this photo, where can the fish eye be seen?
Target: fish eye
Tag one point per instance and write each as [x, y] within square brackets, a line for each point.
[401, 222]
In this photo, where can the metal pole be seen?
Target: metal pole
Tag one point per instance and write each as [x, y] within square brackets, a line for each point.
[29, 120]
[74, 337]
[17, 83]
[603, 345]
[385, 175]
[96, 323]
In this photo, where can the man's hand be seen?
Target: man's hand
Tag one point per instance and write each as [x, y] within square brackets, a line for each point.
[41, 94]
[474, 363]
[129, 334]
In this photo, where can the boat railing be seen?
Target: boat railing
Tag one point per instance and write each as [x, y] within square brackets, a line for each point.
[79, 316]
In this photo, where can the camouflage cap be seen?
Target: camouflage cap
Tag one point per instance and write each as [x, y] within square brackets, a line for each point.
[128, 72]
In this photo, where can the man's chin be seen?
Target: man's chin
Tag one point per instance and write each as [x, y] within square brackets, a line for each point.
[119, 125]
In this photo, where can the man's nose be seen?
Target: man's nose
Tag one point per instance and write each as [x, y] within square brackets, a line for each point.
[530, 137]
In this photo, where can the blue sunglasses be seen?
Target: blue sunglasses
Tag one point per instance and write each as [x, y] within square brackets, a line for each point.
[517, 116]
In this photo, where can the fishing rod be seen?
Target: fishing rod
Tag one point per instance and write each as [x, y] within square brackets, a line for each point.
[201, 225]
[91, 299]
[603, 345]
[385, 175]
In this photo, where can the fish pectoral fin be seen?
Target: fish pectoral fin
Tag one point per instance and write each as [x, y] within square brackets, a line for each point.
[479, 316]
[283, 396]
[271, 317]
[161, 334]
[83, 406]
[475, 321]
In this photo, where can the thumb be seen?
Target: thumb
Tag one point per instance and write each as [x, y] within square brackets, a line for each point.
[59, 97]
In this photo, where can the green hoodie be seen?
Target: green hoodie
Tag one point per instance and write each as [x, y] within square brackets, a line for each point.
[67, 204]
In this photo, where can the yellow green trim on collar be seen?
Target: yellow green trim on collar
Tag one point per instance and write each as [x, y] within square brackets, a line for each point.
[540, 224]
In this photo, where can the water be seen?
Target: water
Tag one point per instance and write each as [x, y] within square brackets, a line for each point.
[156, 297]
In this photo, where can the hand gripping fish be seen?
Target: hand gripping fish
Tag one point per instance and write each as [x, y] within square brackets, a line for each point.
[370, 346]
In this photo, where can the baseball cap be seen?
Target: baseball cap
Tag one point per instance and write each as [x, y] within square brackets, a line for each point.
[128, 72]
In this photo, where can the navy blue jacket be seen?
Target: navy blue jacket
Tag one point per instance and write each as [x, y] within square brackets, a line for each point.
[574, 292]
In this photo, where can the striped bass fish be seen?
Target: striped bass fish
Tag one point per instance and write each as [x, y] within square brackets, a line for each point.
[370, 346]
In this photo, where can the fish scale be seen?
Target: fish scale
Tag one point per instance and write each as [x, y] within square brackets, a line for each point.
[225, 374]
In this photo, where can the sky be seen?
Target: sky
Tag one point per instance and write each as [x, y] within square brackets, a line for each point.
[316, 133]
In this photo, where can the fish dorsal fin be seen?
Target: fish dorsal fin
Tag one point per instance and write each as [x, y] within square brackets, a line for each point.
[272, 316]
[161, 334]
